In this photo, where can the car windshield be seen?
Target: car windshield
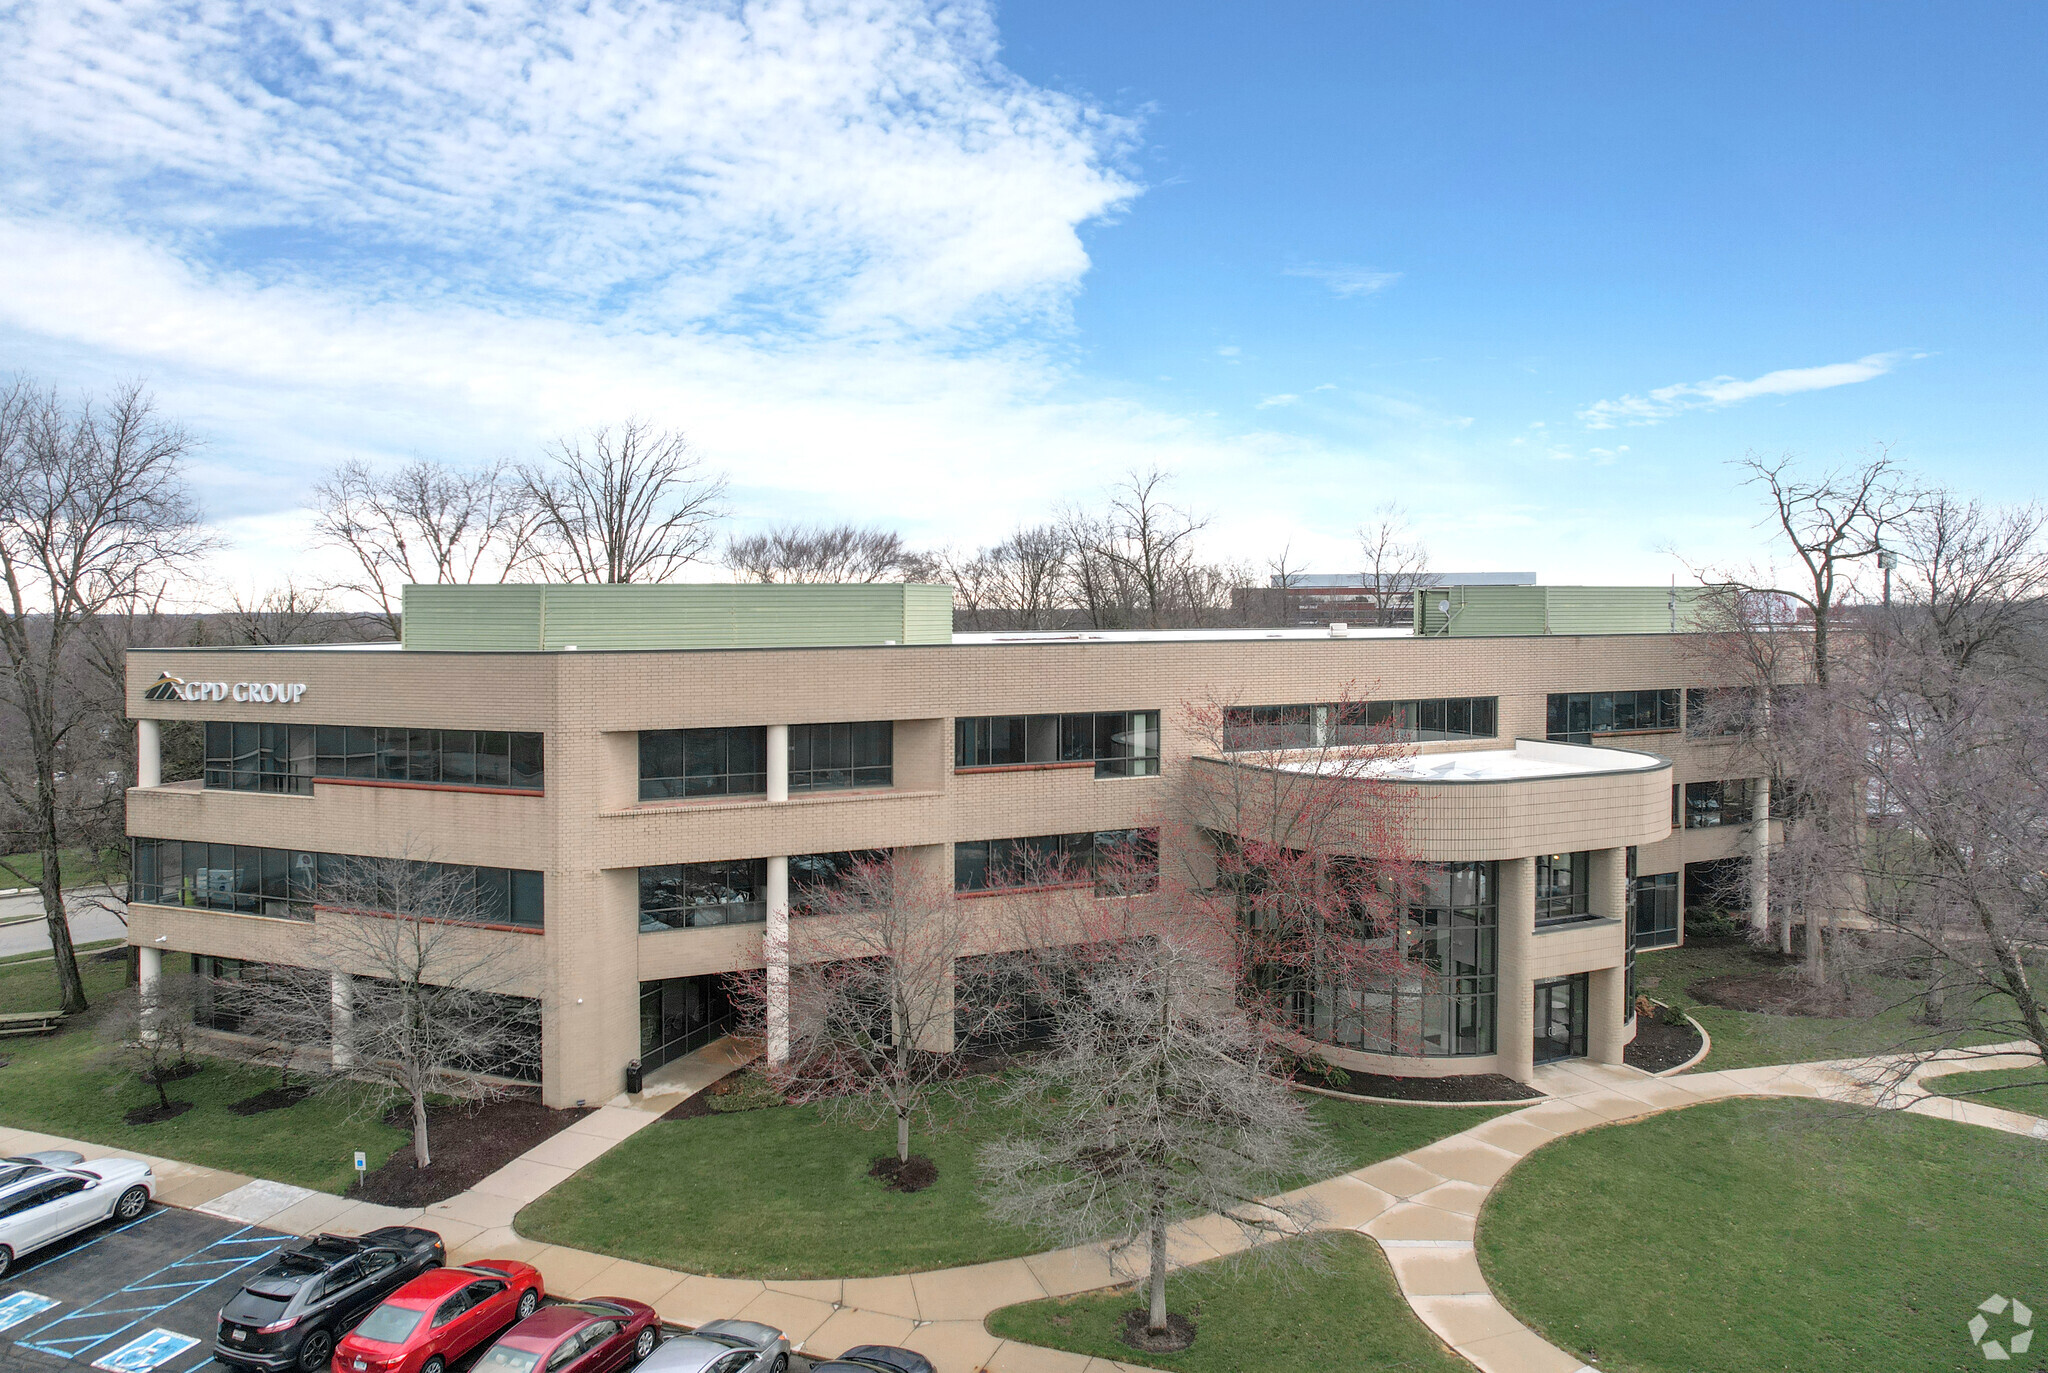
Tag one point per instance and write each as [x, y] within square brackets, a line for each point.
[505, 1359]
[253, 1308]
[390, 1324]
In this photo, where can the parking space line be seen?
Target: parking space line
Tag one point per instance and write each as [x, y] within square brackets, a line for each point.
[103, 1319]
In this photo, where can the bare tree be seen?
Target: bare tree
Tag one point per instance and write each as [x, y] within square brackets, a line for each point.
[282, 615]
[1152, 542]
[94, 518]
[625, 504]
[1019, 583]
[1396, 566]
[873, 1008]
[1830, 523]
[1159, 1101]
[826, 553]
[427, 1004]
[423, 523]
[150, 1030]
[1975, 579]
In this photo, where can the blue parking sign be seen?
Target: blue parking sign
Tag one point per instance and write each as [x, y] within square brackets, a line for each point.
[17, 1307]
[146, 1352]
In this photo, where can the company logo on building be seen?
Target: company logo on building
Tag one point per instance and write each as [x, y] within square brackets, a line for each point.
[169, 688]
[2017, 1340]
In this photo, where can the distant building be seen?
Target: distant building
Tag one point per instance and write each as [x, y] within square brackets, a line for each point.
[1320, 598]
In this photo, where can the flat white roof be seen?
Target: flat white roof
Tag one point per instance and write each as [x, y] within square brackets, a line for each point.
[1528, 760]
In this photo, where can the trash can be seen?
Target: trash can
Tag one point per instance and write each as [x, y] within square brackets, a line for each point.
[633, 1077]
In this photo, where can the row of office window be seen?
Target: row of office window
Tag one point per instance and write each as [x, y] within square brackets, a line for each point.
[288, 883]
[1116, 860]
[1564, 887]
[733, 761]
[1121, 743]
[1709, 805]
[734, 891]
[1575, 717]
[248, 755]
[1359, 722]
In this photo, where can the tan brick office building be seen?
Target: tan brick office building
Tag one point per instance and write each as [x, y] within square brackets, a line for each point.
[640, 777]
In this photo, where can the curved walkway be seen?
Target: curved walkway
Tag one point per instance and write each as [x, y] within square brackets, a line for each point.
[1421, 1207]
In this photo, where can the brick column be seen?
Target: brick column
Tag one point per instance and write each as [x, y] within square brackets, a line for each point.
[341, 1010]
[1514, 1004]
[1605, 1027]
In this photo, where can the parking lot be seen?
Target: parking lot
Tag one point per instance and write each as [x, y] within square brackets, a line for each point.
[138, 1298]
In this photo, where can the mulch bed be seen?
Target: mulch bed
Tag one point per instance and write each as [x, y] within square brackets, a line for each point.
[1658, 1046]
[469, 1143]
[691, 1107]
[1179, 1333]
[269, 1099]
[1774, 994]
[1461, 1087]
[153, 1113]
[908, 1175]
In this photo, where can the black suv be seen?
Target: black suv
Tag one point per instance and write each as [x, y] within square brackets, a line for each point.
[290, 1314]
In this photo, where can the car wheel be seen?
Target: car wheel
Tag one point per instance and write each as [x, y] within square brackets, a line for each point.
[313, 1353]
[781, 1364]
[644, 1346]
[6, 1260]
[131, 1203]
[529, 1302]
[434, 1365]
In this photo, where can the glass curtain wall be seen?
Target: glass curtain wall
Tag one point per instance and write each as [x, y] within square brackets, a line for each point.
[1121, 743]
[1439, 998]
[256, 756]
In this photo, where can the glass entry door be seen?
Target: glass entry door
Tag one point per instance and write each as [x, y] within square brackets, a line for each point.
[679, 1014]
[1561, 1018]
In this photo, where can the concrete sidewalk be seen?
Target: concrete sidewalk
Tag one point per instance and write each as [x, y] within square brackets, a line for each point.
[1422, 1208]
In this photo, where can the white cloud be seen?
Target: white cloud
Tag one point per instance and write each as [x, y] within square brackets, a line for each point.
[1229, 350]
[1284, 398]
[1347, 281]
[1713, 394]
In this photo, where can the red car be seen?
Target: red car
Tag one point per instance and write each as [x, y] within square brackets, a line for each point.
[439, 1316]
[594, 1336]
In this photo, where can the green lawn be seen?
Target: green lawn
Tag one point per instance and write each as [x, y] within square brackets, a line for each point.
[61, 1084]
[78, 866]
[2015, 1089]
[784, 1192]
[1770, 1235]
[1745, 1039]
[1254, 1319]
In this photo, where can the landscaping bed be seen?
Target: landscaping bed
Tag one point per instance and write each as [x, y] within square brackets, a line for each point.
[1659, 1047]
[1342, 1311]
[1459, 1088]
[1804, 1235]
[468, 1141]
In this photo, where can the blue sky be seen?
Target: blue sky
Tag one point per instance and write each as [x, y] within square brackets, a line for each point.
[1534, 272]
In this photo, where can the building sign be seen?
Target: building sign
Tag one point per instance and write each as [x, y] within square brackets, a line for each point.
[169, 688]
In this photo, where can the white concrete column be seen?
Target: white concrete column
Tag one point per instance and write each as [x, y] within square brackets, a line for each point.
[1515, 1000]
[149, 754]
[938, 1027]
[776, 945]
[341, 1002]
[149, 978]
[1760, 856]
[778, 762]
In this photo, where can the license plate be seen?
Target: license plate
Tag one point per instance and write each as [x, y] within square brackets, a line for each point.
[361, 1365]
[238, 1334]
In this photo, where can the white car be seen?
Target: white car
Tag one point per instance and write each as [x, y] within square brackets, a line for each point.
[45, 1205]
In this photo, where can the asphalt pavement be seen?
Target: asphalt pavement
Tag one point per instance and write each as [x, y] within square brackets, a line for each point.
[24, 930]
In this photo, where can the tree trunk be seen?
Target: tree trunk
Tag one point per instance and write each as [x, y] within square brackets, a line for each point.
[51, 889]
[902, 1136]
[422, 1157]
[1815, 966]
[1760, 861]
[1156, 1320]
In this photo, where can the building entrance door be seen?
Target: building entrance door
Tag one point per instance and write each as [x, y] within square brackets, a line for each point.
[679, 1014]
[1561, 1018]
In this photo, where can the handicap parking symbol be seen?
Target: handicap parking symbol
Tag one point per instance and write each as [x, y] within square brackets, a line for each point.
[146, 1352]
[17, 1307]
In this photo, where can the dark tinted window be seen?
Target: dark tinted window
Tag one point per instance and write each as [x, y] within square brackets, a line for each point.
[252, 1308]
[1121, 743]
[251, 756]
[287, 883]
[703, 762]
[837, 756]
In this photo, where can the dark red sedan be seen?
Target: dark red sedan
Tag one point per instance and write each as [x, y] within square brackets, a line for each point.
[439, 1316]
[599, 1335]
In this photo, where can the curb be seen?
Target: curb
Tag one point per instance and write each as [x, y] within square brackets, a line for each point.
[1706, 1047]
